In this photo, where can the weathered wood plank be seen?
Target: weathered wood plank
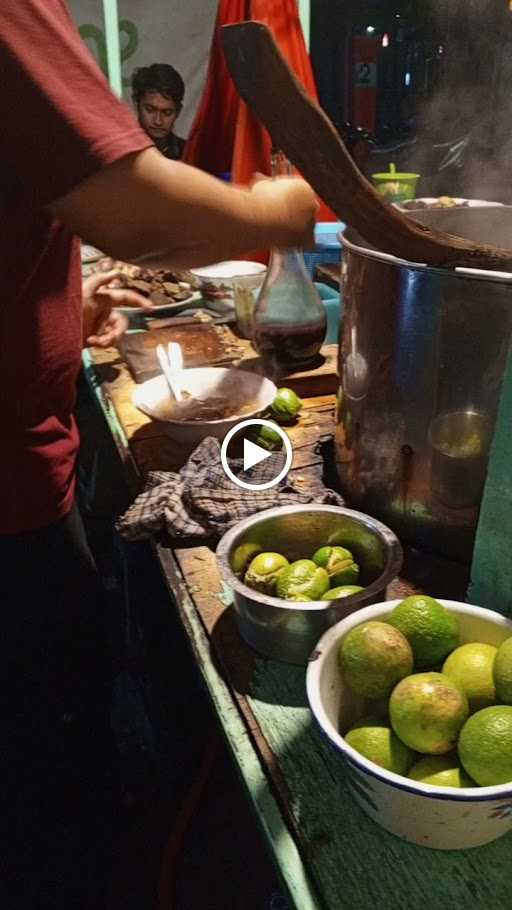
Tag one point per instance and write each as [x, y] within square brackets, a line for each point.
[155, 450]
[239, 736]
[322, 380]
[354, 863]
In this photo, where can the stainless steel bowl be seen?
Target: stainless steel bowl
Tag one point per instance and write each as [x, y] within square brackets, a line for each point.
[289, 631]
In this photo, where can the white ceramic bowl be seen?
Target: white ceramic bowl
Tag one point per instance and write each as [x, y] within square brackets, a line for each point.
[445, 818]
[217, 281]
[238, 386]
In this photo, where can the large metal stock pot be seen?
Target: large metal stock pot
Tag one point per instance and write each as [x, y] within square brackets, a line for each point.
[422, 358]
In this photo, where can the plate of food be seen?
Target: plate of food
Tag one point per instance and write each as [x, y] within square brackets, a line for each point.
[446, 202]
[171, 290]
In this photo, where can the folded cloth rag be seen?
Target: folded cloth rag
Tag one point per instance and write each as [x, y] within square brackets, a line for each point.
[201, 501]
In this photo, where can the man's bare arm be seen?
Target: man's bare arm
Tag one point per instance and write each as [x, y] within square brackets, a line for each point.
[147, 208]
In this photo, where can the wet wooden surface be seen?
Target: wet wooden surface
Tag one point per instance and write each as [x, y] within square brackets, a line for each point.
[330, 854]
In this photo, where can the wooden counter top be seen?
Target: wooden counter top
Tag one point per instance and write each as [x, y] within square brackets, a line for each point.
[330, 855]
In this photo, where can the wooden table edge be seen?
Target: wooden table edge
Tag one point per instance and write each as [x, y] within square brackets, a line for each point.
[239, 726]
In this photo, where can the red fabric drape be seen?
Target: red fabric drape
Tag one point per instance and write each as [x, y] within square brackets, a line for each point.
[226, 136]
[212, 136]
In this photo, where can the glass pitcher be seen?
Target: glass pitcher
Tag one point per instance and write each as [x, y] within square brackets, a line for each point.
[289, 319]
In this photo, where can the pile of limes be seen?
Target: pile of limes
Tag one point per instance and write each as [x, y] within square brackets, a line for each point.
[330, 573]
[437, 711]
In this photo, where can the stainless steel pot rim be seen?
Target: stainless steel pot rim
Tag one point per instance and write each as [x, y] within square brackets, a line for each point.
[458, 272]
[391, 569]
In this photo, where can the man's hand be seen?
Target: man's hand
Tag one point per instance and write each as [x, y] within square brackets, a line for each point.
[110, 332]
[103, 326]
[291, 203]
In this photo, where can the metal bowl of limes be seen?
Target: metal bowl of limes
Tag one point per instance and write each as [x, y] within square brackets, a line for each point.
[442, 816]
[286, 629]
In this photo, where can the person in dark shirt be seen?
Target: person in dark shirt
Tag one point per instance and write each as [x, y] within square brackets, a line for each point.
[157, 93]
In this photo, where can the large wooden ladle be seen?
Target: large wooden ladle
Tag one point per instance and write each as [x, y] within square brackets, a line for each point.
[305, 134]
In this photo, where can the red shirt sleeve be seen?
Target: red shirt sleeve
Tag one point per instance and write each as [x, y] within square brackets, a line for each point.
[60, 122]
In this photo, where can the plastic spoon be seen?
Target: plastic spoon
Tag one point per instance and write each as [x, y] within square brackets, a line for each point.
[168, 372]
[175, 355]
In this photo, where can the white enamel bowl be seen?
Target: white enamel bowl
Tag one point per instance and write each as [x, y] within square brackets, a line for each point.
[239, 387]
[219, 282]
[444, 818]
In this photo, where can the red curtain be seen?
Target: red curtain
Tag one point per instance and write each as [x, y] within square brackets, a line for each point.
[212, 136]
[226, 136]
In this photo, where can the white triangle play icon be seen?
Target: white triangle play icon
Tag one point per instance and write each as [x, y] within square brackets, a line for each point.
[253, 454]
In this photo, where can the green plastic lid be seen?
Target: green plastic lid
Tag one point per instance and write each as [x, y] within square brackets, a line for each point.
[395, 175]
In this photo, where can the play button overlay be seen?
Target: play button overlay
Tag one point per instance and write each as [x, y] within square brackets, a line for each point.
[255, 454]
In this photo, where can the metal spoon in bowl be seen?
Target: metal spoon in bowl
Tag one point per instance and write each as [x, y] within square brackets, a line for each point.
[170, 364]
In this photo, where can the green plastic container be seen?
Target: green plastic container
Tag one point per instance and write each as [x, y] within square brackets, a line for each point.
[395, 186]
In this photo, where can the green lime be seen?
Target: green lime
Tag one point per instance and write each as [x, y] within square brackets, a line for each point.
[430, 628]
[374, 739]
[341, 591]
[302, 580]
[339, 564]
[286, 405]
[373, 658]
[440, 771]
[264, 572]
[269, 439]
[347, 576]
[331, 558]
[470, 668]
[502, 672]
[366, 549]
[485, 746]
[243, 556]
[427, 711]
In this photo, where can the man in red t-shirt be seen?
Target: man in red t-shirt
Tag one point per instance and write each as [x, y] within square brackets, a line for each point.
[74, 163]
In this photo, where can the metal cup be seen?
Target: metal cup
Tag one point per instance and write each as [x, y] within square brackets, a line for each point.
[460, 443]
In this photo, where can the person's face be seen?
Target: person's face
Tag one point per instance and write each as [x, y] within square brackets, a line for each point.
[157, 114]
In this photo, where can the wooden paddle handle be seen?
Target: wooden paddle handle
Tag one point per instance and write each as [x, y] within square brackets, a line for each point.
[303, 131]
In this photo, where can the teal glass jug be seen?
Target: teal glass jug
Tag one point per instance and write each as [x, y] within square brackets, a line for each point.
[289, 322]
